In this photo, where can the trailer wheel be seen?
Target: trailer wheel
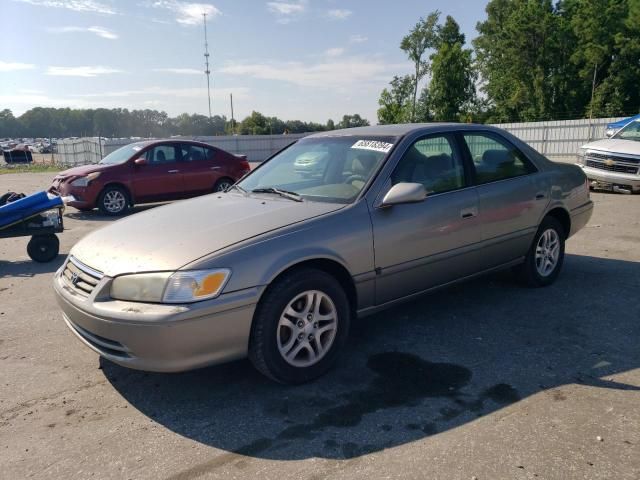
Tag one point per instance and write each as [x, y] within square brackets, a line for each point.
[43, 248]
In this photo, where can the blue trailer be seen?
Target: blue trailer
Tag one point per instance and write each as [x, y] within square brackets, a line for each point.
[38, 216]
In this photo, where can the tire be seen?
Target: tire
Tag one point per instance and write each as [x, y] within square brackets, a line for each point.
[43, 248]
[222, 184]
[541, 267]
[271, 333]
[113, 200]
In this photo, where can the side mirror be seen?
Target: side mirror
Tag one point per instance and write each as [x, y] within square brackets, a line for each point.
[404, 193]
[140, 161]
[609, 133]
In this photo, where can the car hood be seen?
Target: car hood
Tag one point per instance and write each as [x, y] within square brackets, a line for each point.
[82, 170]
[615, 145]
[169, 237]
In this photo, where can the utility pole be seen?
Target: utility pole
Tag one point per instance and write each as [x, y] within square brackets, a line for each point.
[593, 91]
[206, 60]
[233, 122]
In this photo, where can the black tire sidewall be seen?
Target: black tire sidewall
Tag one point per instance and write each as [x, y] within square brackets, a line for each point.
[106, 190]
[268, 315]
[51, 244]
[531, 272]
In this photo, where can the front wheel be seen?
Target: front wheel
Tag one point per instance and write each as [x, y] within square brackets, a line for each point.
[113, 201]
[299, 327]
[43, 248]
[544, 260]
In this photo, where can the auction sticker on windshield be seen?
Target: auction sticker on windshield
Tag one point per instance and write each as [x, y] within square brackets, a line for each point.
[374, 145]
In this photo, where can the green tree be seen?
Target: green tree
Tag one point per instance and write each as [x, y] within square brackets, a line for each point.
[517, 54]
[331, 125]
[396, 104]
[422, 37]
[350, 121]
[452, 88]
[9, 126]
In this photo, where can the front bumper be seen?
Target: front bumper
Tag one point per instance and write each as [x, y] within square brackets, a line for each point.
[158, 337]
[84, 197]
[626, 181]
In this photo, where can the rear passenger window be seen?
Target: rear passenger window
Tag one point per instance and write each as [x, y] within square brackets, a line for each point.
[193, 153]
[496, 160]
[432, 162]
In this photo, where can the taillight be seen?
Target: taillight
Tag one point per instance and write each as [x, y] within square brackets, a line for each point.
[245, 166]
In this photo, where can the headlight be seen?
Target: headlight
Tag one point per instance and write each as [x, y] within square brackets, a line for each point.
[581, 154]
[167, 287]
[84, 181]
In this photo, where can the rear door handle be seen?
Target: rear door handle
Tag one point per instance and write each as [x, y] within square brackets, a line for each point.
[469, 212]
[540, 196]
[173, 171]
[215, 168]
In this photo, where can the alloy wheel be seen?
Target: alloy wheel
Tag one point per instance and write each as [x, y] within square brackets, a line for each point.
[547, 252]
[307, 328]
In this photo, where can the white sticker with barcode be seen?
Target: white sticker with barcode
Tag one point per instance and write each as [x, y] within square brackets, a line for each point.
[374, 145]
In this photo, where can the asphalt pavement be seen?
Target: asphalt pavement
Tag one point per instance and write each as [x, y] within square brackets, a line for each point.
[485, 380]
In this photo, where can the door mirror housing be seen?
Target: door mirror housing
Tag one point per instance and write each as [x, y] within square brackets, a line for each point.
[404, 193]
[140, 161]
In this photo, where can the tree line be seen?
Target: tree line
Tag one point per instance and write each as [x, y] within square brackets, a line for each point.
[121, 122]
[532, 60]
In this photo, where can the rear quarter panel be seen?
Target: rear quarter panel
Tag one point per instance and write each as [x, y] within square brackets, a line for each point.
[569, 190]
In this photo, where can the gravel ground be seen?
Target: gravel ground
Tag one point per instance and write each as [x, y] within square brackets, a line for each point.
[485, 380]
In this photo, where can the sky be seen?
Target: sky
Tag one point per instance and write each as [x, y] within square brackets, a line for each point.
[307, 60]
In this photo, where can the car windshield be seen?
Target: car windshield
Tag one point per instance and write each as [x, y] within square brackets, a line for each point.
[630, 132]
[122, 154]
[323, 169]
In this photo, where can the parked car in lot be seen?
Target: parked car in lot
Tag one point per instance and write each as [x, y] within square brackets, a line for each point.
[150, 171]
[614, 163]
[276, 267]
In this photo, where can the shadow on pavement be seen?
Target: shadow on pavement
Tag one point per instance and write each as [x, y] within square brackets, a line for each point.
[412, 371]
[96, 216]
[29, 268]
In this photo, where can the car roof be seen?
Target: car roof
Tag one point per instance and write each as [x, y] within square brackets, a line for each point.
[398, 130]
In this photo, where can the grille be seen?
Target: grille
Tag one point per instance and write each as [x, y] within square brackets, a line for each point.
[612, 168]
[110, 347]
[615, 158]
[79, 277]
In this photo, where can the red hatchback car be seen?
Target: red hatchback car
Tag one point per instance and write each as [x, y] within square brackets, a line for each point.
[151, 171]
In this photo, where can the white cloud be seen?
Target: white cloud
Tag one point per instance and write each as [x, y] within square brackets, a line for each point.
[85, 71]
[358, 39]
[338, 73]
[287, 11]
[187, 13]
[91, 6]
[197, 92]
[99, 31]
[15, 66]
[339, 13]
[334, 52]
[180, 71]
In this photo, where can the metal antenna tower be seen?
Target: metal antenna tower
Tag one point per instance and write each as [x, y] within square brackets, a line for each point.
[206, 60]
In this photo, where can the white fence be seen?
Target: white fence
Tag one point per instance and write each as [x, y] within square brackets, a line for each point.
[257, 148]
[558, 140]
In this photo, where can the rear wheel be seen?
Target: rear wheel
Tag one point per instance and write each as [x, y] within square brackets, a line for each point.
[43, 248]
[544, 260]
[223, 184]
[113, 200]
[300, 327]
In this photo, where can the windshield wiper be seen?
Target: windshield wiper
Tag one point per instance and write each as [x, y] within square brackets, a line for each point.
[238, 187]
[283, 193]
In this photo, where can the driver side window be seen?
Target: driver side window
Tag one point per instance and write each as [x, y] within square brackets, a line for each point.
[434, 163]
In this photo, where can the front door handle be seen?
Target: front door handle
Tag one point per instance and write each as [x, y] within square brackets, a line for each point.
[540, 196]
[173, 171]
[215, 168]
[469, 212]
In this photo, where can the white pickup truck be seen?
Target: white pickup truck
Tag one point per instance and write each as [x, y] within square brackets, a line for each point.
[614, 163]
